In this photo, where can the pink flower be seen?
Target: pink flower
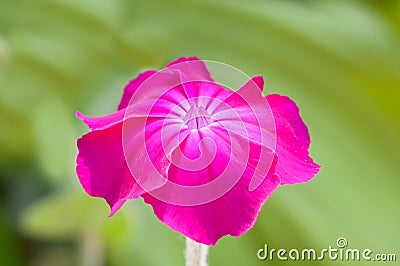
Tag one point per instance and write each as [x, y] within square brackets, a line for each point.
[204, 157]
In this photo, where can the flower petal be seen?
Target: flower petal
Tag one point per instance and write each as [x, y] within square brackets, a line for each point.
[102, 122]
[235, 212]
[191, 69]
[254, 113]
[294, 163]
[132, 86]
[102, 168]
[252, 108]
[155, 85]
[119, 163]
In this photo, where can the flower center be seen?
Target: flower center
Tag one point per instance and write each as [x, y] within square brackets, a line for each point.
[197, 117]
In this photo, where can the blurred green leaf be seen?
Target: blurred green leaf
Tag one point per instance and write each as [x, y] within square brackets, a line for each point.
[9, 243]
[55, 139]
[16, 138]
[55, 256]
[66, 215]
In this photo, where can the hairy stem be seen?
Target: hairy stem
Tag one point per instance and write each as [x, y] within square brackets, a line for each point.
[195, 253]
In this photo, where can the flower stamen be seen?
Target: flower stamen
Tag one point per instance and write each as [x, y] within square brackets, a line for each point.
[197, 117]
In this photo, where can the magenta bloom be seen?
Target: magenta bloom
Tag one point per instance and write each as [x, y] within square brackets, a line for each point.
[204, 157]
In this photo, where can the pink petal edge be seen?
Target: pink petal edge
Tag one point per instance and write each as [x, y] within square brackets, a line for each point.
[209, 222]
[293, 140]
[100, 157]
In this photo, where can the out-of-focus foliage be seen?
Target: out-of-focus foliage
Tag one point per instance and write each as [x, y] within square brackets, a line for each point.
[339, 60]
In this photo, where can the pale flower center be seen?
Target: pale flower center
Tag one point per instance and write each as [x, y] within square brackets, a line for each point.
[197, 117]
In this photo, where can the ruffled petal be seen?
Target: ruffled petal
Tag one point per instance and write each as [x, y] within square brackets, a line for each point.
[102, 168]
[133, 85]
[123, 161]
[294, 163]
[235, 211]
[102, 122]
[156, 84]
[247, 112]
[144, 97]
[248, 104]
[188, 69]
[191, 69]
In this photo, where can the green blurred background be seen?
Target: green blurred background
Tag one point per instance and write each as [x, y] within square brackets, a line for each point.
[339, 60]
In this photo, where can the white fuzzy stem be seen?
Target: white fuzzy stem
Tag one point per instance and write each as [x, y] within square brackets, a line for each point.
[196, 253]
